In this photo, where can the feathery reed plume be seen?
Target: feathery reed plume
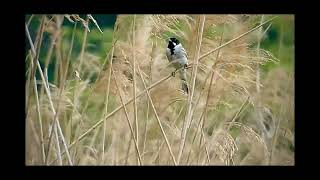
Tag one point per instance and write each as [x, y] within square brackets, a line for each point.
[88, 74]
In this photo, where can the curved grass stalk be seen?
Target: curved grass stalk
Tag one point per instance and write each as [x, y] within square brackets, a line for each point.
[158, 119]
[127, 118]
[106, 108]
[43, 155]
[46, 85]
[97, 124]
[134, 80]
[203, 115]
[195, 68]
[235, 39]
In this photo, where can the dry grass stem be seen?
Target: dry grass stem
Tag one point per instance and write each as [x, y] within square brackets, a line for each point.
[195, 68]
[127, 118]
[100, 90]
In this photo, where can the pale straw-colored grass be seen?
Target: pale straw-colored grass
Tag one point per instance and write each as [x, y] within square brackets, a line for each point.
[81, 109]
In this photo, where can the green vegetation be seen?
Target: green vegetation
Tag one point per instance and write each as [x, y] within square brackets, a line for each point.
[240, 111]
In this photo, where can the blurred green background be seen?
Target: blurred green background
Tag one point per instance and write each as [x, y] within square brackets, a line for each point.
[279, 40]
[97, 43]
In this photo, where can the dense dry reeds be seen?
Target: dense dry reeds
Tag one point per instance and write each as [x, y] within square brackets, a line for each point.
[125, 108]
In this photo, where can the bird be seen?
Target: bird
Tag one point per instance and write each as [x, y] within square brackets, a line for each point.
[177, 55]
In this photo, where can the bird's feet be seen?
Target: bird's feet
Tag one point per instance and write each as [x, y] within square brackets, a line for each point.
[173, 74]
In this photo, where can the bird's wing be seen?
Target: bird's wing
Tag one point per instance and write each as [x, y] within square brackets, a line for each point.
[184, 52]
[168, 54]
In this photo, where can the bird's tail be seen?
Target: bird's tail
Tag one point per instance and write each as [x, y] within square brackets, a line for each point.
[183, 77]
[185, 87]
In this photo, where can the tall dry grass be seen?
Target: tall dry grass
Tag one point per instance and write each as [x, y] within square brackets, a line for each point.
[133, 113]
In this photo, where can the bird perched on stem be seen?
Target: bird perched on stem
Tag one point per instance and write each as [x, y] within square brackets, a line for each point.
[177, 56]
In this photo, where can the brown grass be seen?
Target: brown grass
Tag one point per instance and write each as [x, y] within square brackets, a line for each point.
[216, 124]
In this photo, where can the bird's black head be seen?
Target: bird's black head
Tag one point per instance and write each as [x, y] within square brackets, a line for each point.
[173, 42]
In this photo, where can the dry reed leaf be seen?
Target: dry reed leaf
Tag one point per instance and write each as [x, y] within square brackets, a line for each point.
[95, 22]
[234, 77]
